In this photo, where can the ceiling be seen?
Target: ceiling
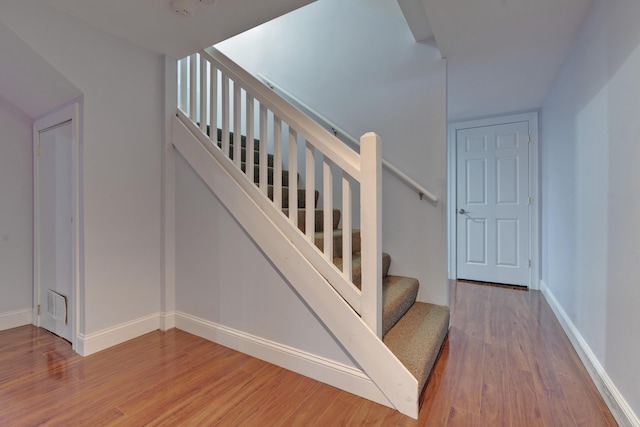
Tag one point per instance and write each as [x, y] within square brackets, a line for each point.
[153, 25]
[502, 55]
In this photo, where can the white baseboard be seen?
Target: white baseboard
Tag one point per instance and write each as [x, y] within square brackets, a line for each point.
[167, 320]
[330, 372]
[15, 318]
[619, 407]
[97, 341]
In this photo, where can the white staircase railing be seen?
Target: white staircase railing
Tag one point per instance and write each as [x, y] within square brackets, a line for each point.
[223, 99]
[337, 130]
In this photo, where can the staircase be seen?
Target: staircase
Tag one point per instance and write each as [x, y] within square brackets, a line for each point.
[400, 356]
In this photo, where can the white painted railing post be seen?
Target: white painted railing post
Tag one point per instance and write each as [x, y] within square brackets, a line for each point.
[371, 230]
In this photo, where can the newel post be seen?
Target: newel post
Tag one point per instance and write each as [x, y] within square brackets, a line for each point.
[371, 230]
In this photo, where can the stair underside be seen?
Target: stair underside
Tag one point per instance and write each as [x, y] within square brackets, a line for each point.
[417, 338]
[413, 331]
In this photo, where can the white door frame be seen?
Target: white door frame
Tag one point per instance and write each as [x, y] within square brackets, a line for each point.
[71, 112]
[534, 226]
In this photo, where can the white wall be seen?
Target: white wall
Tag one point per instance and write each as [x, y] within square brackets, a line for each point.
[16, 200]
[356, 62]
[591, 190]
[223, 277]
[121, 158]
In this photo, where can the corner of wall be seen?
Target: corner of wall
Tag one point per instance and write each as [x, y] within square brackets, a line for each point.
[101, 340]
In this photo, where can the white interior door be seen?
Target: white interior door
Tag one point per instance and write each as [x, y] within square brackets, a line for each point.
[54, 225]
[493, 203]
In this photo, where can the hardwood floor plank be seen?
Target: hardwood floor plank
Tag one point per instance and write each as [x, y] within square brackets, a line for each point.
[336, 415]
[506, 362]
[311, 407]
[438, 397]
[193, 379]
[523, 400]
[494, 408]
[461, 418]
[467, 375]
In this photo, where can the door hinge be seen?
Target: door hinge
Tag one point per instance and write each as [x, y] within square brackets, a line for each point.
[528, 139]
[38, 150]
[529, 263]
[38, 309]
[529, 201]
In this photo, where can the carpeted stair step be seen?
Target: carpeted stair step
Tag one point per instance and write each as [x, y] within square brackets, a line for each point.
[256, 156]
[356, 265]
[417, 338]
[319, 219]
[337, 241]
[285, 197]
[256, 179]
[398, 295]
[243, 139]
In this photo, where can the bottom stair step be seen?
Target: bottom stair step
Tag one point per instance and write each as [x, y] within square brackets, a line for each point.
[417, 338]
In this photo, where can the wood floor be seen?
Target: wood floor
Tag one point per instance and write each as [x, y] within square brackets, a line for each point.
[506, 363]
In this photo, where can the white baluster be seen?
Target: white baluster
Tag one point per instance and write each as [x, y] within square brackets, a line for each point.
[203, 94]
[225, 114]
[250, 148]
[264, 185]
[237, 123]
[327, 206]
[293, 175]
[371, 231]
[193, 71]
[213, 104]
[310, 188]
[277, 162]
[347, 224]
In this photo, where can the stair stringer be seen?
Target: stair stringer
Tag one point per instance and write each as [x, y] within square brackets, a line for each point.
[378, 363]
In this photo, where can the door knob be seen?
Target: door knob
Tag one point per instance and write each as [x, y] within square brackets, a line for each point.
[462, 211]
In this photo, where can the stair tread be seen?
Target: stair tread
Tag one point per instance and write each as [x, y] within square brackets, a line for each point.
[270, 174]
[318, 220]
[356, 263]
[337, 241]
[417, 338]
[398, 295]
[337, 232]
[285, 196]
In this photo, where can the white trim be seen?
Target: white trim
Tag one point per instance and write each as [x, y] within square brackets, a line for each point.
[68, 113]
[319, 368]
[167, 320]
[15, 318]
[168, 273]
[98, 341]
[534, 224]
[269, 230]
[619, 407]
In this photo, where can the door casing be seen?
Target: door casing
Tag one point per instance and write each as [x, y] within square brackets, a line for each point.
[453, 128]
[71, 112]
